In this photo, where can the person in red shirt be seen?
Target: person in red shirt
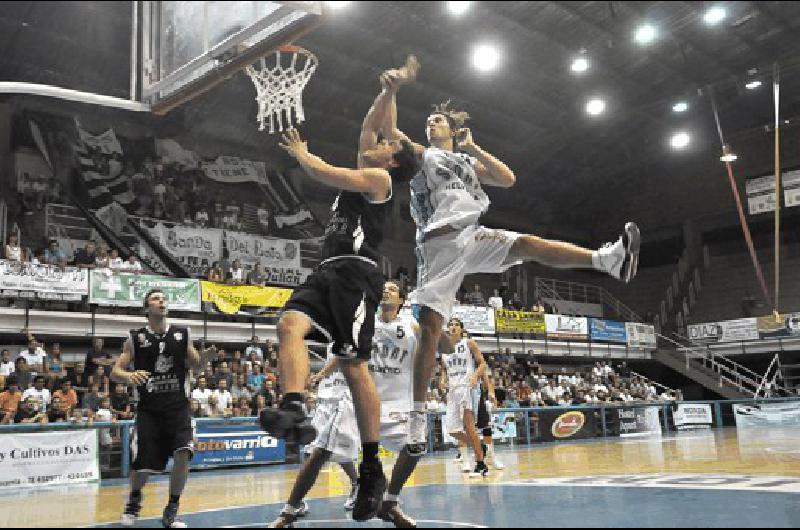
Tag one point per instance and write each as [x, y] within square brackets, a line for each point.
[9, 401]
[68, 396]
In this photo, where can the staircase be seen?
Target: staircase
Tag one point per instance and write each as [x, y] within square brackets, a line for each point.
[717, 373]
[590, 294]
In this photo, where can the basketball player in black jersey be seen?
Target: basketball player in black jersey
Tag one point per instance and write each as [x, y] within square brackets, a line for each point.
[337, 304]
[155, 360]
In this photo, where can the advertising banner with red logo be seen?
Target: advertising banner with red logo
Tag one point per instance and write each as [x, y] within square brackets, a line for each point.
[567, 424]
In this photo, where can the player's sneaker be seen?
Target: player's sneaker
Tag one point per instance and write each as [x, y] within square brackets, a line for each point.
[289, 515]
[351, 500]
[391, 513]
[131, 513]
[466, 463]
[621, 259]
[480, 470]
[170, 517]
[371, 487]
[495, 462]
[290, 423]
[417, 433]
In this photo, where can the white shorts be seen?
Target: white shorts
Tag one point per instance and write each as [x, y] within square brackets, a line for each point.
[459, 400]
[443, 262]
[394, 431]
[337, 430]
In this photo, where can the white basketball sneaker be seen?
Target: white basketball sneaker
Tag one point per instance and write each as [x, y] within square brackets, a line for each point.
[351, 500]
[417, 433]
[621, 259]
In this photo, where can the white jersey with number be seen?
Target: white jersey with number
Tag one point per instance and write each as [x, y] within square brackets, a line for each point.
[446, 192]
[460, 365]
[393, 348]
[334, 386]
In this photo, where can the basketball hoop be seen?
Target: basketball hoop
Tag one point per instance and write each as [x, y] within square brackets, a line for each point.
[279, 87]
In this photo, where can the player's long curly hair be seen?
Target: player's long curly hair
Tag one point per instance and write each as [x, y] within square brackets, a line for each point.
[456, 118]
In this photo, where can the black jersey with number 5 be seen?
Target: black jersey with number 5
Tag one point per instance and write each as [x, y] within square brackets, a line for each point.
[164, 357]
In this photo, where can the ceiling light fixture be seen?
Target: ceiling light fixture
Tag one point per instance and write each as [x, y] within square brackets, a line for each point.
[752, 85]
[579, 65]
[485, 57]
[680, 106]
[645, 34]
[458, 8]
[595, 107]
[680, 140]
[715, 15]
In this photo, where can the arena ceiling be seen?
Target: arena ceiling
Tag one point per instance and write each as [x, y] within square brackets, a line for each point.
[530, 111]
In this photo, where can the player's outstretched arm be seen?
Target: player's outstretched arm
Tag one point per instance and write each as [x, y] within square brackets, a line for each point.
[490, 170]
[479, 360]
[374, 182]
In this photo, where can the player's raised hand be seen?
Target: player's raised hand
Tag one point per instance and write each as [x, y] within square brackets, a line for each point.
[464, 140]
[293, 144]
[397, 77]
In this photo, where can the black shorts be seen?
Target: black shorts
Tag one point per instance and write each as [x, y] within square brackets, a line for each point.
[341, 299]
[482, 419]
[158, 435]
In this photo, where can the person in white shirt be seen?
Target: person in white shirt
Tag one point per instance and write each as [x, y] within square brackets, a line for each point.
[6, 364]
[35, 356]
[13, 249]
[600, 387]
[606, 370]
[496, 301]
[597, 371]
[202, 393]
[132, 265]
[40, 393]
[224, 397]
[254, 348]
[114, 261]
[237, 275]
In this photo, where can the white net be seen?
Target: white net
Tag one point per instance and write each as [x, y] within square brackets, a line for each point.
[279, 86]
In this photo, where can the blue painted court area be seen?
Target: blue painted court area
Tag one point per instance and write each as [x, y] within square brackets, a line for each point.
[527, 505]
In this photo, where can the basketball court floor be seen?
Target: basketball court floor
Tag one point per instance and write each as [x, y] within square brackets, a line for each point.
[712, 478]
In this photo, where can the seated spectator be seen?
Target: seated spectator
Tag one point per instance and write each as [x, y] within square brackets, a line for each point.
[13, 249]
[201, 218]
[66, 395]
[236, 276]
[102, 260]
[115, 263]
[214, 408]
[224, 397]
[9, 401]
[198, 411]
[223, 373]
[28, 412]
[77, 377]
[24, 377]
[39, 393]
[93, 398]
[54, 255]
[269, 393]
[242, 408]
[54, 366]
[202, 393]
[34, 356]
[86, 257]
[98, 357]
[253, 360]
[216, 274]
[256, 379]
[496, 301]
[511, 401]
[524, 393]
[132, 265]
[257, 276]
[240, 390]
[6, 364]
[259, 404]
[59, 412]
[121, 403]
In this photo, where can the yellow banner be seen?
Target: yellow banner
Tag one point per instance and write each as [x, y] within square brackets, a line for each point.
[230, 298]
[509, 321]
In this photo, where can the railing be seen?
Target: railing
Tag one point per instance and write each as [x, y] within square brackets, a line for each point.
[650, 381]
[590, 294]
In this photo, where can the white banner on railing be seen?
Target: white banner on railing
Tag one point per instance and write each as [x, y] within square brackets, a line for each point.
[728, 331]
[566, 327]
[233, 170]
[195, 248]
[38, 459]
[767, 414]
[691, 416]
[761, 194]
[641, 335]
[476, 319]
[791, 188]
[46, 282]
[271, 253]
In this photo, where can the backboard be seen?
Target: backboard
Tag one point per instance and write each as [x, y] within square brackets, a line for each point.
[188, 47]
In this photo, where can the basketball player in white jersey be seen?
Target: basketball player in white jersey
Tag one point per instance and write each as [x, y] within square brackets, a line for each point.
[461, 371]
[447, 201]
[337, 440]
[337, 302]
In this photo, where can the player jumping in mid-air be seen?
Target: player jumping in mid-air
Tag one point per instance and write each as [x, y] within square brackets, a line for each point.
[447, 201]
[337, 302]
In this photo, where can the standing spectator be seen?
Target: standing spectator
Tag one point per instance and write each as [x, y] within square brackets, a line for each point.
[13, 249]
[54, 366]
[86, 257]
[257, 277]
[54, 255]
[9, 401]
[93, 398]
[216, 274]
[28, 412]
[39, 393]
[67, 395]
[121, 403]
[34, 356]
[6, 364]
[159, 193]
[237, 274]
[202, 393]
[254, 349]
[97, 357]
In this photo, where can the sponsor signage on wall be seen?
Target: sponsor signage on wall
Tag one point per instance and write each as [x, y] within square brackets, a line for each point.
[638, 421]
[566, 327]
[34, 460]
[235, 443]
[477, 320]
[727, 331]
[608, 331]
[195, 248]
[558, 425]
[46, 282]
[767, 414]
[249, 249]
[641, 335]
[690, 416]
[121, 289]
